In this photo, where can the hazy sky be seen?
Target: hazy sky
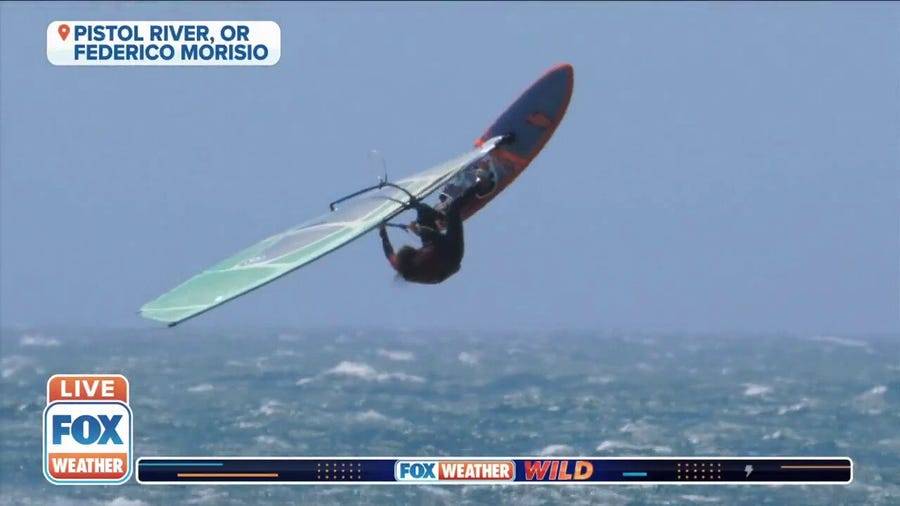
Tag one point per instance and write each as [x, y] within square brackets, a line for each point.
[722, 167]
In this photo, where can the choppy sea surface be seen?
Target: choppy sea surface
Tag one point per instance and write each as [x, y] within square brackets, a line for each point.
[377, 392]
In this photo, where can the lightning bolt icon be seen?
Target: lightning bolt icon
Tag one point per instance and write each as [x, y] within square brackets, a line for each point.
[748, 469]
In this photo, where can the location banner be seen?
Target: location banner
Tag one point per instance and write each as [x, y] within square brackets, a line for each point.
[163, 43]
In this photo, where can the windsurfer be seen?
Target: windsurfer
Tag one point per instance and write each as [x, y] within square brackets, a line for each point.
[441, 253]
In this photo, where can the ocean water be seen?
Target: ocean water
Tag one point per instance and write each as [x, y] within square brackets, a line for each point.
[377, 392]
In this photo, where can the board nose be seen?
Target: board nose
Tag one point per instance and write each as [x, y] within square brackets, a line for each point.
[534, 116]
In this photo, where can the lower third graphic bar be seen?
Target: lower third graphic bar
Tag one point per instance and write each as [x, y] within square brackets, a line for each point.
[510, 470]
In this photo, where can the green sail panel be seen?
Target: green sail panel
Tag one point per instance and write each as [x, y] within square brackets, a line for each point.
[282, 253]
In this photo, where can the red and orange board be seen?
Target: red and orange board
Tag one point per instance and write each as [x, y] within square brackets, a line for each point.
[531, 120]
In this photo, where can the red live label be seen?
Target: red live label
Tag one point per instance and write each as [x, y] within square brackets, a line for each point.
[80, 387]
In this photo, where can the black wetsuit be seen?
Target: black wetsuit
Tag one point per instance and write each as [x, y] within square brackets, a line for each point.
[441, 254]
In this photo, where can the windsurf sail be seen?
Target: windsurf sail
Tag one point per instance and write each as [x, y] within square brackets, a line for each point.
[282, 253]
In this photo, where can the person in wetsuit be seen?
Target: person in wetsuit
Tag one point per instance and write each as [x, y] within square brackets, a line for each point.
[441, 253]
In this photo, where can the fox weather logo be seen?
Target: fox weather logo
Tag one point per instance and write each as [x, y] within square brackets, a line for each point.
[415, 471]
[87, 430]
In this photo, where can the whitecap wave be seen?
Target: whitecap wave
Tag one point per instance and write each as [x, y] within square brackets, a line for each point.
[368, 373]
[370, 416]
[694, 498]
[556, 450]
[269, 408]
[640, 429]
[10, 365]
[361, 371]
[754, 390]
[892, 444]
[203, 387]
[38, 341]
[871, 402]
[876, 391]
[442, 493]
[615, 446]
[124, 501]
[793, 408]
[524, 398]
[377, 418]
[207, 496]
[270, 441]
[841, 341]
[397, 355]
[612, 445]
[468, 358]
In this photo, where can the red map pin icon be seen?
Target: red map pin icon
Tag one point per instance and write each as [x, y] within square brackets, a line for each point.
[63, 31]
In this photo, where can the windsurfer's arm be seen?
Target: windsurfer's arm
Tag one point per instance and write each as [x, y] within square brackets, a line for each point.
[426, 215]
[459, 202]
[425, 225]
[454, 232]
[386, 246]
